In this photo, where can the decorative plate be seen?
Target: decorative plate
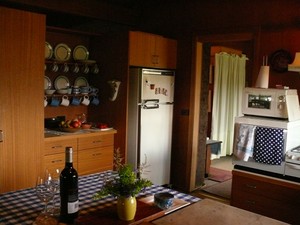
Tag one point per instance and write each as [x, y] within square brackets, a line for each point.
[80, 53]
[48, 51]
[279, 60]
[61, 82]
[62, 52]
[81, 81]
[47, 83]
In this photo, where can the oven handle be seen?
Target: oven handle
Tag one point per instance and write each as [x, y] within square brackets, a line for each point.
[293, 166]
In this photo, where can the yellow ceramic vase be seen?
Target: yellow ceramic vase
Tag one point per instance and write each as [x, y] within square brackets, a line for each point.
[126, 208]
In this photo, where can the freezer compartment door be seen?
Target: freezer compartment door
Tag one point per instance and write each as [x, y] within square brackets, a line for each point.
[157, 87]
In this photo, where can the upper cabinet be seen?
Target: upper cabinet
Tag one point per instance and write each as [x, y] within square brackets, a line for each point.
[150, 50]
[22, 43]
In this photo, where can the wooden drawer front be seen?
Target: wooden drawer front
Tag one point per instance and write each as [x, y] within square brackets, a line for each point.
[57, 161]
[265, 206]
[95, 141]
[53, 147]
[267, 189]
[95, 160]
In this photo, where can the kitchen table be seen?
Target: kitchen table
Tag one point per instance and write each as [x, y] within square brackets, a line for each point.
[23, 206]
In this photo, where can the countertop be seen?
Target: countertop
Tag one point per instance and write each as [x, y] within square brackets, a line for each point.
[59, 135]
[207, 212]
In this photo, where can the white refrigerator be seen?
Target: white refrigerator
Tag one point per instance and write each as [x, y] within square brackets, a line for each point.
[150, 116]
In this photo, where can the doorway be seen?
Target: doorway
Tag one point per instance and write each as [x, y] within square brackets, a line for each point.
[244, 43]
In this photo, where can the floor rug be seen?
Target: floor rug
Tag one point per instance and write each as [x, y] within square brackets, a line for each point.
[220, 189]
[219, 175]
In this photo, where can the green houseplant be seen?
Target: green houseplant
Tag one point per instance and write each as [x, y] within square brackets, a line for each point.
[125, 186]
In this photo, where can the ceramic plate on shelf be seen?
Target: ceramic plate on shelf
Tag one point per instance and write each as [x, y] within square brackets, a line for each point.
[48, 51]
[47, 83]
[61, 82]
[81, 81]
[80, 53]
[62, 52]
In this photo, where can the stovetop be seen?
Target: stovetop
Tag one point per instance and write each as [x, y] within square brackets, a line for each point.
[293, 155]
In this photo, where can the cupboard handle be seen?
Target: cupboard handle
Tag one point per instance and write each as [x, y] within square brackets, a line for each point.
[251, 186]
[57, 146]
[98, 141]
[1, 135]
[97, 154]
[56, 161]
[250, 202]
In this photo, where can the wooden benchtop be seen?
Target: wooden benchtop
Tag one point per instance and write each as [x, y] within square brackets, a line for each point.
[85, 133]
[208, 212]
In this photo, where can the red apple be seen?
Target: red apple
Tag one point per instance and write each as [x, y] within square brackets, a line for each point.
[75, 124]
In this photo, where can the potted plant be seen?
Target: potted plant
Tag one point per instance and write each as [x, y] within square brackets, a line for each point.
[125, 186]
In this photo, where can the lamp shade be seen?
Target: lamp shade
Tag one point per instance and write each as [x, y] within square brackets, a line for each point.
[295, 66]
[262, 80]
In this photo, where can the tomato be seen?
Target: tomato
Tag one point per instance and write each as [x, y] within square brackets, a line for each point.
[102, 125]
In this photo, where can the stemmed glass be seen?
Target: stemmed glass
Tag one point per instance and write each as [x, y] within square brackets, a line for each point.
[45, 190]
[54, 177]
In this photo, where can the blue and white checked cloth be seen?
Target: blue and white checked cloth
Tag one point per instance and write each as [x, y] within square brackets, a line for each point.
[23, 206]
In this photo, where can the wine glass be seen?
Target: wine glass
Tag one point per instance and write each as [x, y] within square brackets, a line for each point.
[45, 190]
[54, 178]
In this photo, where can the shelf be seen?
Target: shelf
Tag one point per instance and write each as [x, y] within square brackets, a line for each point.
[69, 31]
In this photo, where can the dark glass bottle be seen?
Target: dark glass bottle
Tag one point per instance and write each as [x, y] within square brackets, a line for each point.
[69, 203]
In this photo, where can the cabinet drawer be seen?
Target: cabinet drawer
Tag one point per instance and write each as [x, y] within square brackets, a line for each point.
[95, 160]
[57, 161]
[95, 141]
[53, 147]
[268, 207]
[270, 188]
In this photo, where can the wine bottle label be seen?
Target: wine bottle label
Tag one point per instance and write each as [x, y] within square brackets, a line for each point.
[73, 207]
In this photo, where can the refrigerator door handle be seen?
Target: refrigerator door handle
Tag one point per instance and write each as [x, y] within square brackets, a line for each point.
[150, 104]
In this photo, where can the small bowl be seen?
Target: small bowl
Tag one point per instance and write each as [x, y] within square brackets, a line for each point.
[163, 200]
[62, 91]
[49, 91]
[86, 126]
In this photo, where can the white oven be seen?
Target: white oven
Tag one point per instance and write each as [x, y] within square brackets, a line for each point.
[244, 154]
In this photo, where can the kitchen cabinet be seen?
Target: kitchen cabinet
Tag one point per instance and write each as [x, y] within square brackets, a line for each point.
[22, 42]
[95, 153]
[54, 155]
[92, 152]
[272, 197]
[150, 50]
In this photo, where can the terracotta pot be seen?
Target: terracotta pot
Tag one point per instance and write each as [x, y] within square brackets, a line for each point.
[126, 207]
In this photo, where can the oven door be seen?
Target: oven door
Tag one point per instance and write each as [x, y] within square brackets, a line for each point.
[292, 170]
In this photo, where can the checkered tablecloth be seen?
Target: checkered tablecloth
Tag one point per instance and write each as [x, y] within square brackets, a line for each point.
[23, 206]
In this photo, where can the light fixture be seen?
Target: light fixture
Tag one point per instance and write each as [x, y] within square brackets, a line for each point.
[295, 66]
[262, 80]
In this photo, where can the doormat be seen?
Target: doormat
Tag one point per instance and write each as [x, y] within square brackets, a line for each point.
[222, 189]
[219, 175]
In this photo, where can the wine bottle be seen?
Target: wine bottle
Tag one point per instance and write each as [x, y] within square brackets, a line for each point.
[69, 203]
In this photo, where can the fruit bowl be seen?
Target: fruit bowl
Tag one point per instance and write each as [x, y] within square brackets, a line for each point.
[86, 126]
[69, 129]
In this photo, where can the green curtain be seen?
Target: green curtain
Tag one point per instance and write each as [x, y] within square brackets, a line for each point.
[229, 82]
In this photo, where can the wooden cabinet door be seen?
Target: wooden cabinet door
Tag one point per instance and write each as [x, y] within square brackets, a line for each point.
[22, 44]
[150, 50]
[166, 51]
